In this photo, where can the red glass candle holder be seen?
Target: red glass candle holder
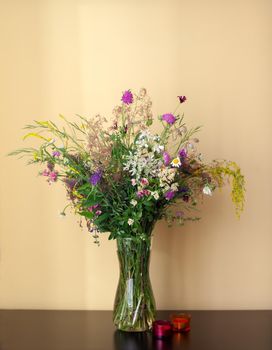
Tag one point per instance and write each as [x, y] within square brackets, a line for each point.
[162, 329]
[181, 322]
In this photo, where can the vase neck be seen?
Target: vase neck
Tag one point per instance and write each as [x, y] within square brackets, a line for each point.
[133, 244]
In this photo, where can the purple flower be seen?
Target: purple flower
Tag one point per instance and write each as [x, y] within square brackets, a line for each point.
[182, 99]
[50, 166]
[95, 178]
[183, 153]
[184, 189]
[169, 195]
[166, 158]
[56, 154]
[127, 97]
[70, 183]
[169, 118]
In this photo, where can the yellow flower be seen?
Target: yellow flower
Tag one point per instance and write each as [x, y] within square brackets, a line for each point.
[176, 162]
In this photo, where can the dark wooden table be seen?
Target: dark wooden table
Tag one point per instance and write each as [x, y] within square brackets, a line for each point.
[93, 330]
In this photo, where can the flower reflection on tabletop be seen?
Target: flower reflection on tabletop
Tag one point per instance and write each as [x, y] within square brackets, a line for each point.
[121, 177]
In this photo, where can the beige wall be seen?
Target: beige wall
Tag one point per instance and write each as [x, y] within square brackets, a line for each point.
[76, 57]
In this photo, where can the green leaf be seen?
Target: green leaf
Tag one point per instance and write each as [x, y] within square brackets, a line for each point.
[87, 214]
[148, 203]
[101, 218]
[149, 122]
[90, 202]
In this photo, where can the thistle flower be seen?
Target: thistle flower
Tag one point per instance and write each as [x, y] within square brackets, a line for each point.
[127, 97]
[169, 118]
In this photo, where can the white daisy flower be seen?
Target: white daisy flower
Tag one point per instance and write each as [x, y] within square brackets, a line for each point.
[176, 162]
[130, 222]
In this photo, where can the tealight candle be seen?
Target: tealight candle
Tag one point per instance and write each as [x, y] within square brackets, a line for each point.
[181, 322]
[162, 329]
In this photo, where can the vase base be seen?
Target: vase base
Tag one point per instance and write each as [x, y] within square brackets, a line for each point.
[132, 330]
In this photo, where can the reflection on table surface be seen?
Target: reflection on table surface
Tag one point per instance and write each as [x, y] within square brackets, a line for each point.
[145, 340]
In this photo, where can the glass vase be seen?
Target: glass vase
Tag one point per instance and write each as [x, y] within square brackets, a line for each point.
[134, 306]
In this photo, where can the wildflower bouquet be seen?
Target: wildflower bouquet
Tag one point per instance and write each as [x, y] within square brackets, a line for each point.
[121, 178]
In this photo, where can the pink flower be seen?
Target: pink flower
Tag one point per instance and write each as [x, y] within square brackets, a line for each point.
[144, 182]
[93, 207]
[98, 212]
[53, 176]
[46, 172]
[143, 193]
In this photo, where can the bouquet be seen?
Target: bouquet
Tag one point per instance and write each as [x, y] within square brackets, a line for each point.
[121, 178]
